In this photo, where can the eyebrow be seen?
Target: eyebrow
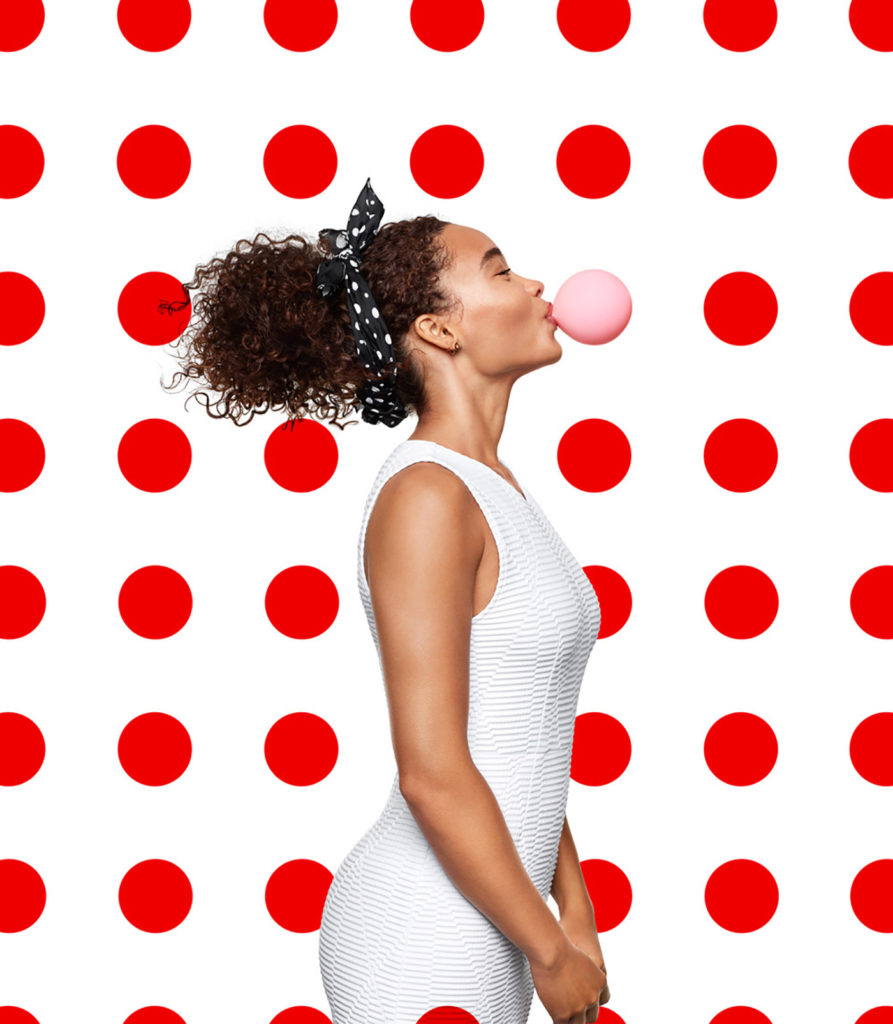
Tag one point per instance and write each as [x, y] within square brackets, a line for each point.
[490, 254]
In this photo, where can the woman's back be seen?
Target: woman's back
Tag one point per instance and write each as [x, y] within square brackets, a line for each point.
[397, 937]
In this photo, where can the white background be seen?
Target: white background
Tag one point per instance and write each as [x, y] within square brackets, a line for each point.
[520, 88]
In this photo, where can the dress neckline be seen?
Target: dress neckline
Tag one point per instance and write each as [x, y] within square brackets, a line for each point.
[522, 495]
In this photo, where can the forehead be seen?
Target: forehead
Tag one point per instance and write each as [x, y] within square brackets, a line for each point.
[468, 246]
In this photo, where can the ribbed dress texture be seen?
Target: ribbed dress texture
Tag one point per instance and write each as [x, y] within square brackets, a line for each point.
[397, 937]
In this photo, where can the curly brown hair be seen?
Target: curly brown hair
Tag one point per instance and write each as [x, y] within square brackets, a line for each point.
[263, 338]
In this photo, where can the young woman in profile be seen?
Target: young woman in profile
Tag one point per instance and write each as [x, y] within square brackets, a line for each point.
[482, 618]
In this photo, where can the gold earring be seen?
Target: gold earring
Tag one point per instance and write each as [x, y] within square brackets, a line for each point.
[455, 347]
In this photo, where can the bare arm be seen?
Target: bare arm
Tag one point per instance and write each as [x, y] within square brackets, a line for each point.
[568, 885]
[425, 539]
[577, 914]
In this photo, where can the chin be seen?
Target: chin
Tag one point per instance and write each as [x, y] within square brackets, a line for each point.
[552, 357]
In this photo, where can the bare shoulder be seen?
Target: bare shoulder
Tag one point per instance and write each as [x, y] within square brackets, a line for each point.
[424, 507]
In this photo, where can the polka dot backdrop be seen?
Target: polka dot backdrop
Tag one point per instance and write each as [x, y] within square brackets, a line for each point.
[193, 728]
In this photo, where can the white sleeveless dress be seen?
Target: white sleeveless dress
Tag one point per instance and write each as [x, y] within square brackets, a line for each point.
[397, 937]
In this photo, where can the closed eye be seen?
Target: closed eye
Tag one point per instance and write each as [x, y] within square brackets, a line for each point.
[507, 270]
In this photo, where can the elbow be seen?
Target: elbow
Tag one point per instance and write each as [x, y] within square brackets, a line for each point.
[422, 784]
[414, 785]
[408, 786]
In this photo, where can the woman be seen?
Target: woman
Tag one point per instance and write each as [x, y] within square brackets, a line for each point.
[482, 618]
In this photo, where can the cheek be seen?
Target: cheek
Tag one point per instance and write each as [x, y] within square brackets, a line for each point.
[514, 307]
[503, 317]
[522, 313]
[512, 323]
[502, 312]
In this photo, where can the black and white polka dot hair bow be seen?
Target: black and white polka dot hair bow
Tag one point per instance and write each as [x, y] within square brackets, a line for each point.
[379, 402]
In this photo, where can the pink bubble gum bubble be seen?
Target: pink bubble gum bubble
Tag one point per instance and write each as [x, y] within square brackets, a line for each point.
[592, 307]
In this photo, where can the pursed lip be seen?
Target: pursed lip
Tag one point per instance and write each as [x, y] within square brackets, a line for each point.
[548, 313]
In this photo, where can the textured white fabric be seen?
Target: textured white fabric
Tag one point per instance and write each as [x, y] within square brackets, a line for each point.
[397, 937]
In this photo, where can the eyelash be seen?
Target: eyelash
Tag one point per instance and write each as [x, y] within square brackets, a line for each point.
[507, 270]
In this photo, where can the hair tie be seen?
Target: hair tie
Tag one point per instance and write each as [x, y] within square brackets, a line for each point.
[378, 398]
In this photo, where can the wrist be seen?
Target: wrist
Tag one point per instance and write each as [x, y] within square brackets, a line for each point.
[549, 948]
[578, 913]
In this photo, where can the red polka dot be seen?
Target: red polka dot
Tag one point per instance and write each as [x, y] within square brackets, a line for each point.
[20, 25]
[301, 455]
[593, 161]
[870, 455]
[22, 749]
[155, 896]
[154, 455]
[154, 161]
[447, 27]
[16, 1015]
[448, 1015]
[871, 160]
[609, 890]
[602, 749]
[295, 894]
[739, 161]
[741, 895]
[614, 597]
[876, 1015]
[155, 602]
[740, 1015]
[446, 179]
[871, 895]
[153, 1015]
[299, 1015]
[301, 749]
[871, 602]
[23, 307]
[740, 308]
[153, 308]
[872, 24]
[22, 895]
[22, 165]
[594, 455]
[871, 748]
[154, 25]
[24, 455]
[740, 26]
[740, 749]
[300, 162]
[22, 602]
[871, 308]
[301, 602]
[741, 602]
[300, 27]
[593, 27]
[154, 749]
[740, 455]
[608, 1016]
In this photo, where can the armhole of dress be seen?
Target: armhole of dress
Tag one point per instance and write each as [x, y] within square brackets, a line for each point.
[489, 518]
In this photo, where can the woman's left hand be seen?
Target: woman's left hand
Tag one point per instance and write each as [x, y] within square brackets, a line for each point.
[582, 932]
